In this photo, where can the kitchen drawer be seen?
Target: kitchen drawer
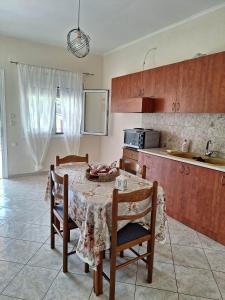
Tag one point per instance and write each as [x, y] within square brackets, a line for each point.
[130, 154]
[131, 165]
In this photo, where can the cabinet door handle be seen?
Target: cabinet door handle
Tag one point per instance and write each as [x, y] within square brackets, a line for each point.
[187, 171]
[173, 107]
[223, 180]
[177, 106]
[182, 169]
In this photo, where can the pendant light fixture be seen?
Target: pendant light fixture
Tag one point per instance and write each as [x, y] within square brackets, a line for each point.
[78, 43]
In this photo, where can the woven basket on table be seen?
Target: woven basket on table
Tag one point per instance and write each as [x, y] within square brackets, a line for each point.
[103, 177]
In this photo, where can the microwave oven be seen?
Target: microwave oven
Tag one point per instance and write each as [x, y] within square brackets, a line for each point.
[140, 138]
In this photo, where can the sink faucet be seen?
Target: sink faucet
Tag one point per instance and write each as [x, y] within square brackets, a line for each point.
[207, 151]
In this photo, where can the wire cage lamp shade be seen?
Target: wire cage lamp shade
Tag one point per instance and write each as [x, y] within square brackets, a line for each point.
[78, 43]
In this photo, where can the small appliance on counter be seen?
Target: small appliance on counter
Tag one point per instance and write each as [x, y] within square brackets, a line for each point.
[140, 138]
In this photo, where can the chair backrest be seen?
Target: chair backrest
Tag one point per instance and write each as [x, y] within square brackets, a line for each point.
[59, 190]
[136, 196]
[124, 165]
[71, 159]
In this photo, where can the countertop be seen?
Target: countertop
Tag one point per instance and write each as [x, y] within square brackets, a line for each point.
[162, 153]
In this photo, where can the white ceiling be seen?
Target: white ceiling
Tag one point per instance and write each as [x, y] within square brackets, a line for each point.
[110, 23]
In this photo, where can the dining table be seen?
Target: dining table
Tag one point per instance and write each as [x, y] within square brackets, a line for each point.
[90, 207]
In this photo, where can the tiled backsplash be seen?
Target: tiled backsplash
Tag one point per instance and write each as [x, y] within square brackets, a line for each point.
[198, 128]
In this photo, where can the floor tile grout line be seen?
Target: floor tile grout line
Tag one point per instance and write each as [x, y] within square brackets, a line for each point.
[156, 288]
[52, 283]
[17, 239]
[6, 237]
[12, 297]
[91, 293]
[197, 296]
[173, 258]
[214, 276]
[210, 248]
[136, 277]
[21, 269]
[207, 261]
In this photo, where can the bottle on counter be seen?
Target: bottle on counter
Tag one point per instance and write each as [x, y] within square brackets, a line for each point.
[185, 146]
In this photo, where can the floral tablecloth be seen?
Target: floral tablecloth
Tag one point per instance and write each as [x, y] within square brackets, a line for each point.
[90, 208]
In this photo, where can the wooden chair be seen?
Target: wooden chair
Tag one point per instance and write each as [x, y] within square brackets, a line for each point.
[59, 215]
[133, 233]
[71, 159]
[124, 165]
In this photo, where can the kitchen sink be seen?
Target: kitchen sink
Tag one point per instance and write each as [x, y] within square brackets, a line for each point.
[189, 155]
[198, 157]
[215, 161]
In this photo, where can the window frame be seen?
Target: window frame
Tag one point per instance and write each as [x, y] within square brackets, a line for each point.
[106, 124]
[55, 133]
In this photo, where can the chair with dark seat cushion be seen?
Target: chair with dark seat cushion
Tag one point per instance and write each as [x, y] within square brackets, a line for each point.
[59, 215]
[133, 233]
[140, 171]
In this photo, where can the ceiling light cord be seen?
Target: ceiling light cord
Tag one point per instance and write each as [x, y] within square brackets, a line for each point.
[78, 17]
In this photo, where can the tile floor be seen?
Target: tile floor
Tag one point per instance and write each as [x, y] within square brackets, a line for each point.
[189, 266]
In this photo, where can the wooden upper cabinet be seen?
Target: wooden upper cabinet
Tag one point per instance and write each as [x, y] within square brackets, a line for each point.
[120, 87]
[149, 83]
[192, 85]
[215, 84]
[136, 85]
[165, 93]
[127, 95]
[120, 91]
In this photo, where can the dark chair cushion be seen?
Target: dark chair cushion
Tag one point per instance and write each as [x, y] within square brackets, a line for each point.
[59, 208]
[130, 232]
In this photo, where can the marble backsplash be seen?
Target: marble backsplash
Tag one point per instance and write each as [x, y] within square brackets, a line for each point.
[198, 128]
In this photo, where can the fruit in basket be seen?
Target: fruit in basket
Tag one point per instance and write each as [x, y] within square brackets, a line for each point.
[102, 169]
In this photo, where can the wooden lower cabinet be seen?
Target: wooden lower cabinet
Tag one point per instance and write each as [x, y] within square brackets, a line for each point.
[195, 195]
[131, 158]
[220, 196]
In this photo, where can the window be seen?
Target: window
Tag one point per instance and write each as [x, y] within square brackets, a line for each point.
[58, 114]
[94, 115]
[95, 112]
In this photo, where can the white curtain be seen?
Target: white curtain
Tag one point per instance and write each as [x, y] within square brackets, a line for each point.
[37, 103]
[71, 87]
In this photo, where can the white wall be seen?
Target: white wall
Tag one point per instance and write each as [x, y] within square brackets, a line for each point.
[19, 160]
[205, 34]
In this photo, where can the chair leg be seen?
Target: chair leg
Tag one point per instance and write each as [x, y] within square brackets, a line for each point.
[103, 254]
[65, 251]
[52, 233]
[112, 275]
[150, 260]
[86, 268]
[121, 254]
